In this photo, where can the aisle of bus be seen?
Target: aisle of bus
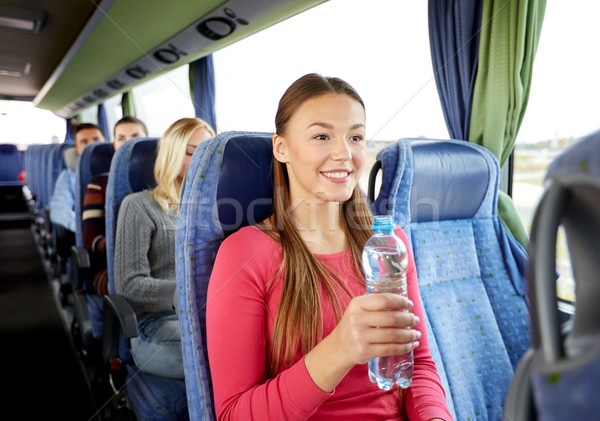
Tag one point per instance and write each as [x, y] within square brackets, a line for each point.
[42, 376]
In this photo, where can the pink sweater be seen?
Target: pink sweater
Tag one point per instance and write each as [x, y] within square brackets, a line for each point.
[241, 311]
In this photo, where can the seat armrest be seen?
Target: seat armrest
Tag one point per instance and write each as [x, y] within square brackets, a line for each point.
[80, 260]
[117, 315]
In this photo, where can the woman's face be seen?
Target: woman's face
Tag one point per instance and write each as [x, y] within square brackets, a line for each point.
[198, 136]
[324, 148]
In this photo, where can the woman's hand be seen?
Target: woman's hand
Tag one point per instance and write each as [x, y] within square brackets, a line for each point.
[376, 326]
[372, 326]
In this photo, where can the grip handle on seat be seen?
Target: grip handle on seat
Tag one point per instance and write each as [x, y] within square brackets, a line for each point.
[372, 178]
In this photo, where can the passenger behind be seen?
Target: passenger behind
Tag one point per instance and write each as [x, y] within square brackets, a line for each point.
[93, 222]
[145, 251]
[289, 327]
[62, 203]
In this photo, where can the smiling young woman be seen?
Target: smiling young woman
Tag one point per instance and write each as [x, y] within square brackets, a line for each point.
[289, 326]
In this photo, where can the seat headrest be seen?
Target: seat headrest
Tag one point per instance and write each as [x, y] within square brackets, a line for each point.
[450, 181]
[583, 157]
[429, 180]
[70, 157]
[245, 185]
[100, 158]
[141, 165]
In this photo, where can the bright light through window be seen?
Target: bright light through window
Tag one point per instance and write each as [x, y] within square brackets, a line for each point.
[164, 100]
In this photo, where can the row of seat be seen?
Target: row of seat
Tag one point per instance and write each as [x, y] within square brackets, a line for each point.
[476, 312]
[442, 193]
[43, 164]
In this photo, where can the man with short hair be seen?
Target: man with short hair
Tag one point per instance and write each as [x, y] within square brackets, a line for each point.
[93, 223]
[62, 203]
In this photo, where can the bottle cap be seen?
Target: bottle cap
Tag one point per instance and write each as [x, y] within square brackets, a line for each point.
[383, 222]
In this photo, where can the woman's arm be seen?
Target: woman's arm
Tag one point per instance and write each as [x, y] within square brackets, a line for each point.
[133, 277]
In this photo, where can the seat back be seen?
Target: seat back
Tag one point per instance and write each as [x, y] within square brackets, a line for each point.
[94, 160]
[228, 186]
[444, 195]
[131, 170]
[559, 376]
[44, 187]
[56, 164]
[10, 165]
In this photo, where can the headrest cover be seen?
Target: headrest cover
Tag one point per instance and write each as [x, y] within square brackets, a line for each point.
[582, 157]
[245, 190]
[100, 159]
[70, 157]
[141, 165]
[450, 181]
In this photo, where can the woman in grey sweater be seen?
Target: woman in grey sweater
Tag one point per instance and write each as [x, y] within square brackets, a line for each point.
[145, 251]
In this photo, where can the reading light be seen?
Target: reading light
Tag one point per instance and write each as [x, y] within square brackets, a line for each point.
[20, 19]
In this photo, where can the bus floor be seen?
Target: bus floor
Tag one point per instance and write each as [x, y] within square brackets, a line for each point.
[42, 377]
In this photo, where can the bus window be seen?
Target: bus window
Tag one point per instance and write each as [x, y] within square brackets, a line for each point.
[23, 124]
[114, 112]
[558, 114]
[164, 100]
[343, 38]
[89, 115]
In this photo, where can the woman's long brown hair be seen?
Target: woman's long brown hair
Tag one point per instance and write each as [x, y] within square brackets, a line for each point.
[298, 324]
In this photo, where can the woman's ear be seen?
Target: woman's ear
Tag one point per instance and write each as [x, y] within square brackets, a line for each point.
[279, 149]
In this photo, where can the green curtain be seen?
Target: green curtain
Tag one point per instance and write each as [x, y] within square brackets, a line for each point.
[510, 31]
[127, 104]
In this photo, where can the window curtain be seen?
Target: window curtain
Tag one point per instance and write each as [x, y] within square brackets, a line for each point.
[454, 42]
[103, 122]
[202, 88]
[510, 32]
[127, 104]
[486, 106]
[70, 133]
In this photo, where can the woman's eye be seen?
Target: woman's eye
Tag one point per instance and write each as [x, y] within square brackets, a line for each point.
[321, 137]
[356, 138]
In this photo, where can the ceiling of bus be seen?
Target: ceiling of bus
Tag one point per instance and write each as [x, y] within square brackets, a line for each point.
[81, 46]
[35, 55]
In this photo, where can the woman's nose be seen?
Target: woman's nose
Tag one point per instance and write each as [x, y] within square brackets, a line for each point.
[341, 150]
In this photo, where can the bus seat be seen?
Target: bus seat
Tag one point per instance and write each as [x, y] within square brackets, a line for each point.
[444, 194]
[558, 377]
[12, 193]
[94, 160]
[45, 240]
[55, 165]
[228, 185]
[151, 397]
[10, 165]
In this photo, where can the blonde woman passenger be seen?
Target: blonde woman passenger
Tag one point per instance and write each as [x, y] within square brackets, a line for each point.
[145, 251]
[289, 327]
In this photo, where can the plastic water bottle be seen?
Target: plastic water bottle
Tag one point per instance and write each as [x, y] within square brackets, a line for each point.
[385, 260]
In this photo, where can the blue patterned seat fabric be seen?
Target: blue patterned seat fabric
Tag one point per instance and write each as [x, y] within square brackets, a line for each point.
[132, 170]
[444, 194]
[228, 186]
